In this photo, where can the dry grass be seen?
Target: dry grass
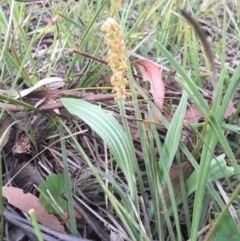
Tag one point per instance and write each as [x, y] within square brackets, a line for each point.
[42, 42]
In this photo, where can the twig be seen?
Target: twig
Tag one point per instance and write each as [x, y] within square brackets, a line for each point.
[27, 225]
[92, 222]
[58, 104]
[77, 51]
[206, 45]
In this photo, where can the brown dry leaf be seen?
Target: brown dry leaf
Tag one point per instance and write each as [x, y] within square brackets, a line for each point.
[230, 109]
[22, 143]
[67, 217]
[151, 72]
[46, 81]
[116, 236]
[174, 176]
[5, 126]
[25, 202]
[193, 114]
[25, 176]
[55, 85]
[52, 101]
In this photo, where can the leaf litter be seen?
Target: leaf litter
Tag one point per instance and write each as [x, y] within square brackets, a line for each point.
[26, 201]
[22, 147]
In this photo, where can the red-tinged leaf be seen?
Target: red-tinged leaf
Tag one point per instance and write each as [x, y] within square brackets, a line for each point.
[168, 116]
[151, 72]
[230, 109]
[174, 176]
[25, 202]
[193, 114]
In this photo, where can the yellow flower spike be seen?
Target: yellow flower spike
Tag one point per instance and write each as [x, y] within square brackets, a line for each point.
[116, 57]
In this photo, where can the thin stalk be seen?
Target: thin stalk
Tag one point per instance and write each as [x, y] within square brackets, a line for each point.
[67, 182]
[1, 201]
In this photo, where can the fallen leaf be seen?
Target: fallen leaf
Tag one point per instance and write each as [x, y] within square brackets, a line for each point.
[67, 216]
[230, 109]
[25, 176]
[193, 114]
[40, 83]
[25, 202]
[55, 85]
[116, 236]
[151, 72]
[174, 176]
[50, 100]
[22, 143]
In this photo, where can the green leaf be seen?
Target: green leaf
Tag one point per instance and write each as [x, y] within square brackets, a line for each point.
[113, 134]
[223, 236]
[55, 185]
[226, 229]
[110, 130]
[174, 133]
[218, 169]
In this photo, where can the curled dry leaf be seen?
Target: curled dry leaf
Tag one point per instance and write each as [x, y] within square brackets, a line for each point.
[25, 202]
[151, 72]
[46, 81]
[22, 143]
[55, 85]
[25, 176]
